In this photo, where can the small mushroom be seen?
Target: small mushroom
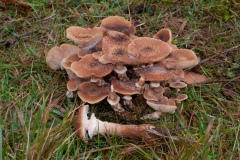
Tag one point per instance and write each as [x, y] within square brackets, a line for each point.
[87, 38]
[178, 85]
[113, 99]
[93, 126]
[57, 54]
[164, 35]
[179, 97]
[126, 88]
[117, 23]
[148, 50]
[66, 63]
[154, 94]
[181, 59]
[72, 85]
[90, 67]
[165, 105]
[92, 93]
[155, 73]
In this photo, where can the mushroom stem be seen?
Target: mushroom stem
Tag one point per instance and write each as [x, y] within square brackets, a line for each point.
[140, 84]
[154, 84]
[113, 99]
[129, 103]
[108, 128]
[121, 71]
[98, 81]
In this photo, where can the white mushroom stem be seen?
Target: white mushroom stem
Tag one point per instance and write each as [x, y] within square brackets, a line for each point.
[113, 99]
[154, 84]
[154, 115]
[140, 84]
[96, 126]
[121, 71]
[98, 81]
[129, 103]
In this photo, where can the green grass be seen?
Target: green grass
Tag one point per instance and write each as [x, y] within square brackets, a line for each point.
[37, 118]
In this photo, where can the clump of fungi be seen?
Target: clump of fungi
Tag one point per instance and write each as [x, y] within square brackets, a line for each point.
[111, 63]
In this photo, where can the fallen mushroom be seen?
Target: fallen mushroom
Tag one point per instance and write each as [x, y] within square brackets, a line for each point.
[193, 78]
[94, 126]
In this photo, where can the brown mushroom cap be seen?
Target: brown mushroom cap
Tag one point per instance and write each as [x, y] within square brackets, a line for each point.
[125, 87]
[193, 78]
[159, 106]
[72, 84]
[117, 23]
[57, 54]
[179, 97]
[154, 94]
[115, 51]
[181, 59]
[92, 93]
[66, 63]
[164, 35]
[156, 72]
[82, 123]
[148, 50]
[178, 84]
[85, 37]
[91, 67]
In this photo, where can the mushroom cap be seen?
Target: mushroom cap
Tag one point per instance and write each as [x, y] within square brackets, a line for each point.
[193, 78]
[116, 34]
[115, 51]
[168, 107]
[154, 94]
[164, 35]
[57, 54]
[117, 23]
[91, 67]
[181, 59]
[85, 37]
[82, 123]
[156, 72]
[148, 50]
[72, 84]
[97, 55]
[92, 93]
[66, 63]
[125, 87]
[178, 84]
[179, 97]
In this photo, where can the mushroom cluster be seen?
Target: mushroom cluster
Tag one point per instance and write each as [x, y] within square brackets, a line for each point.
[112, 63]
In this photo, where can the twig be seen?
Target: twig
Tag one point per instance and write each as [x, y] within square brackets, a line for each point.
[217, 54]
[15, 39]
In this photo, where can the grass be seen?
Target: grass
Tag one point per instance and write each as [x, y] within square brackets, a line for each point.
[37, 118]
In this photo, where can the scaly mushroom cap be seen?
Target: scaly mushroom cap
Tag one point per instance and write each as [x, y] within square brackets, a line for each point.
[117, 23]
[125, 87]
[91, 67]
[193, 78]
[154, 94]
[73, 84]
[57, 54]
[85, 37]
[164, 35]
[148, 50]
[82, 123]
[92, 93]
[66, 63]
[115, 51]
[156, 72]
[181, 59]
